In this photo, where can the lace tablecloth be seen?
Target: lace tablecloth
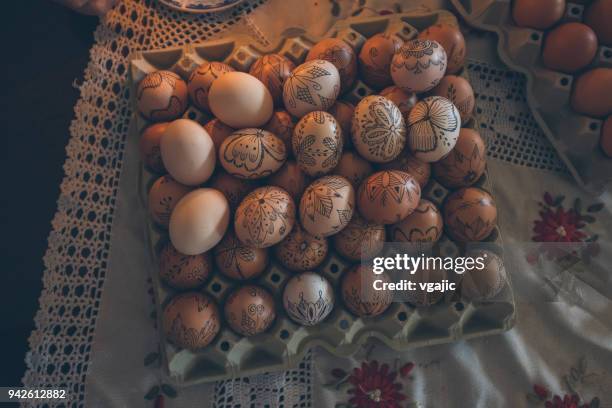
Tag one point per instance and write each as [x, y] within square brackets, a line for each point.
[94, 331]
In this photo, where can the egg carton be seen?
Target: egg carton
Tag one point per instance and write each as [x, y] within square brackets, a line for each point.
[574, 136]
[283, 345]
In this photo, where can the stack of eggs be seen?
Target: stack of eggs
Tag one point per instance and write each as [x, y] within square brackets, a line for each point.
[285, 169]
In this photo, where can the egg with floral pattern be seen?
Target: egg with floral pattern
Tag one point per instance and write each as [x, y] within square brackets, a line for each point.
[465, 164]
[360, 239]
[459, 91]
[250, 310]
[317, 143]
[281, 125]
[191, 320]
[182, 271]
[161, 96]
[301, 251]
[453, 42]
[418, 169]
[359, 295]
[164, 195]
[290, 178]
[201, 79]
[149, 147]
[272, 70]
[308, 298]
[354, 168]
[424, 225]
[470, 214]
[418, 66]
[312, 86]
[375, 59]
[339, 53]
[343, 112]
[405, 101]
[239, 261]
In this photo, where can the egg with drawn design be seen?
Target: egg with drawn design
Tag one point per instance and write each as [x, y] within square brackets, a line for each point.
[265, 217]
[343, 112]
[327, 205]
[201, 79]
[161, 96]
[281, 125]
[453, 42]
[375, 59]
[359, 295]
[378, 130]
[470, 214]
[252, 153]
[218, 132]
[465, 164]
[290, 178]
[317, 143]
[433, 128]
[312, 86]
[418, 169]
[308, 298]
[360, 239]
[191, 320]
[272, 70]
[250, 310]
[149, 147]
[354, 168]
[182, 271]
[459, 91]
[239, 261]
[301, 251]
[405, 101]
[164, 195]
[418, 65]
[339, 53]
[424, 225]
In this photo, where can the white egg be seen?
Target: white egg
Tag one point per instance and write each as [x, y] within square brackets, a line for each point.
[199, 221]
[188, 152]
[312, 86]
[240, 100]
[308, 298]
[433, 128]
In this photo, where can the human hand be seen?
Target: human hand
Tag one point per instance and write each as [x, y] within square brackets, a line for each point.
[89, 7]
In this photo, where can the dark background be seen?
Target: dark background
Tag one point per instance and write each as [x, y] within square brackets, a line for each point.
[45, 49]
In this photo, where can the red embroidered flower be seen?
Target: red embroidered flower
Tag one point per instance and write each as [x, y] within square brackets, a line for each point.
[568, 401]
[558, 226]
[375, 387]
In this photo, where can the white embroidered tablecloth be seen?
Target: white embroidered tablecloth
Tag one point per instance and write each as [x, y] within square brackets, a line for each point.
[94, 331]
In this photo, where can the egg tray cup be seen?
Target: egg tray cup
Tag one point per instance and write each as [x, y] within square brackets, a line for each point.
[574, 136]
[284, 344]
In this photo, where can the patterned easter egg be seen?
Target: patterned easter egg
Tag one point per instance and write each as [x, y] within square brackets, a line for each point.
[459, 91]
[451, 39]
[164, 195]
[182, 271]
[470, 214]
[343, 112]
[375, 59]
[218, 132]
[161, 96]
[239, 261]
[281, 125]
[424, 225]
[250, 310]
[301, 251]
[341, 55]
[354, 168]
[465, 164]
[359, 295]
[418, 66]
[418, 169]
[272, 70]
[150, 152]
[201, 79]
[360, 239]
[308, 298]
[312, 86]
[317, 143]
[191, 320]
[405, 101]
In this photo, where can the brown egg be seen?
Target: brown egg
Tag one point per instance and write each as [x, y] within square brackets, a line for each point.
[569, 47]
[341, 55]
[301, 251]
[418, 169]
[378, 130]
[470, 214]
[459, 91]
[591, 94]
[161, 96]
[465, 164]
[421, 297]
[290, 178]
[343, 112]
[265, 217]
[354, 168]
[218, 132]
[182, 271]
[388, 196]
[252, 153]
[486, 283]
[375, 59]
[405, 101]
[606, 137]
[538, 14]
[360, 239]
[327, 205]
[149, 147]
[451, 40]
[238, 261]
[234, 189]
[598, 16]
[191, 320]
[358, 293]
[164, 194]
[424, 225]
[250, 310]
[201, 79]
[317, 143]
[281, 125]
[272, 70]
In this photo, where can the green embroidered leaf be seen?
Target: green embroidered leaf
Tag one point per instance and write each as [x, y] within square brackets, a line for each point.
[169, 390]
[153, 393]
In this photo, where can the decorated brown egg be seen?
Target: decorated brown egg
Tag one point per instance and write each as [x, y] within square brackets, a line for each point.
[418, 66]
[317, 143]
[218, 132]
[182, 271]
[470, 214]
[465, 164]
[359, 295]
[354, 168]
[265, 217]
[161, 96]
[290, 178]
[233, 188]
[149, 147]
[301, 251]
[388, 196]
[405, 101]
[378, 130]
[201, 79]
[375, 59]
[272, 70]
[281, 125]
[343, 112]
[421, 296]
[252, 153]
[164, 194]
[418, 169]
[424, 225]
[250, 310]
[308, 298]
[191, 320]
[360, 239]
[484, 283]
[327, 205]
[341, 55]
[451, 40]
[459, 91]
[312, 86]
[239, 261]
[433, 128]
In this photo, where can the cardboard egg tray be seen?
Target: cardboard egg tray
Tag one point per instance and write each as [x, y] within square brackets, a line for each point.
[282, 347]
[573, 135]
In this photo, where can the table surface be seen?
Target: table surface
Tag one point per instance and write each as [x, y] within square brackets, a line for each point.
[48, 48]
